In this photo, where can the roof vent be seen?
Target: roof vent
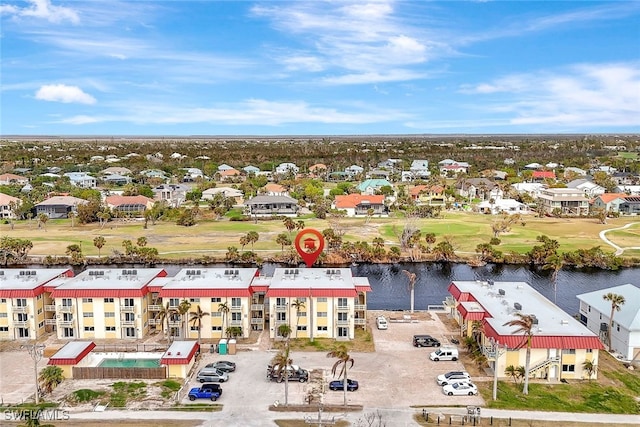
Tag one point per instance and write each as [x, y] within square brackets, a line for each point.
[501, 292]
[517, 306]
[534, 318]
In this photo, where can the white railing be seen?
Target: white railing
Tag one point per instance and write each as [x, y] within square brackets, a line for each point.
[257, 307]
[19, 309]
[128, 308]
[360, 307]
[49, 308]
[65, 309]
[359, 321]
[257, 320]
[154, 307]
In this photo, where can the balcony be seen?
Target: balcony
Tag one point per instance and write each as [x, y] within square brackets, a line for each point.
[49, 308]
[19, 308]
[154, 307]
[154, 321]
[20, 324]
[65, 309]
[342, 323]
[359, 321]
[281, 308]
[175, 324]
[67, 323]
[235, 308]
[257, 321]
[257, 307]
[128, 308]
[343, 308]
[360, 307]
[128, 323]
[50, 321]
[235, 322]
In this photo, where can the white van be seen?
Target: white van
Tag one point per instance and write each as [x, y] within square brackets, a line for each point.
[444, 354]
[381, 322]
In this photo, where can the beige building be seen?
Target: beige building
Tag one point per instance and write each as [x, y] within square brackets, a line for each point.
[24, 301]
[569, 201]
[559, 346]
[105, 304]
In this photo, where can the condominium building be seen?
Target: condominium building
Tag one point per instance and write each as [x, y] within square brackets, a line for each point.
[567, 201]
[105, 304]
[25, 301]
[317, 302]
[560, 344]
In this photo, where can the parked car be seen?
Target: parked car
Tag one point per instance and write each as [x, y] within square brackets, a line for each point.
[352, 385]
[204, 392]
[381, 322]
[452, 376]
[425, 341]
[223, 365]
[460, 389]
[207, 375]
[444, 354]
[294, 373]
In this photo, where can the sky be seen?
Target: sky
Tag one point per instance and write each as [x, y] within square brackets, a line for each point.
[338, 67]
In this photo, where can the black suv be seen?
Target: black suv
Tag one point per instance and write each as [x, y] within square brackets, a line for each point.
[212, 386]
[295, 373]
[425, 341]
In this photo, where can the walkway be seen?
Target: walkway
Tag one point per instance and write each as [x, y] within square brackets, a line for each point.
[619, 250]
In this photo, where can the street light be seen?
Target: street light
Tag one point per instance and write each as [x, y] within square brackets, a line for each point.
[35, 351]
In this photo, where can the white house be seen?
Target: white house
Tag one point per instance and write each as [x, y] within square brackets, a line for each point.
[82, 179]
[531, 188]
[591, 189]
[285, 168]
[508, 206]
[631, 190]
[595, 313]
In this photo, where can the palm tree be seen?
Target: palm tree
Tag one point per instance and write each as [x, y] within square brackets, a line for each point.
[252, 237]
[75, 252]
[99, 242]
[50, 377]
[282, 360]
[617, 301]
[590, 366]
[299, 306]
[164, 315]
[183, 309]
[412, 285]
[223, 308]
[524, 324]
[554, 263]
[283, 240]
[196, 320]
[512, 371]
[289, 224]
[344, 360]
[42, 220]
[72, 216]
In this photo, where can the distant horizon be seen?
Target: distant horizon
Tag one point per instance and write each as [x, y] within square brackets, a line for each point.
[310, 68]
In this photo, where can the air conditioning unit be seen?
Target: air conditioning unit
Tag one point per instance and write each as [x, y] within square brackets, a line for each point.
[517, 306]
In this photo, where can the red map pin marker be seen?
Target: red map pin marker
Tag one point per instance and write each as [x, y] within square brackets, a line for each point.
[309, 244]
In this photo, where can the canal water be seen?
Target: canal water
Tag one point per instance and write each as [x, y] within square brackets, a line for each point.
[390, 286]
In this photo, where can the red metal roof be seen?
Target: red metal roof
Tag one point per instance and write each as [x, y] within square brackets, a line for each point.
[74, 360]
[21, 293]
[458, 295]
[154, 288]
[362, 288]
[545, 341]
[173, 360]
[211, 292]
[298, 293]
[259, 288]
[471, 315]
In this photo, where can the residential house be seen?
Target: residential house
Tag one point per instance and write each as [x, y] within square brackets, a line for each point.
[595, 313]
[533, 166]
[541, 176]
[590, 189]
[265, 205]
[479, 188]
[225, 167]
[429, 195]
[420, 169]
[389, 164]
[229, 175]
[58, 206]
[450, 167]
[559, 343]
[569, 201]
[130, 206]
[625, 178]
[629, 190]
[319, 170]
[172, 194]
[574, 172]
[287, 168]
[7, 205]
[333, 302]
[609, 202]
[154, 174]
[111, 303]
[353, 171]
[10, 178]
[531, 188]
[212, 289]
[499, 205]
[379, 174]
[361, 205]
[630, 206]
[251, 170]
[273, 189]
[192, 174]
[116, 170]
[210, 193]
[117, 179]
[82, 179]
[25, 303]
[372, 186]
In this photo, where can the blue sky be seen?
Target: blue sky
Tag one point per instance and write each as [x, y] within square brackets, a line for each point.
[319, 67]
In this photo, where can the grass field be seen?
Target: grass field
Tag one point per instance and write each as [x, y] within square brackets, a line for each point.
[208, 237]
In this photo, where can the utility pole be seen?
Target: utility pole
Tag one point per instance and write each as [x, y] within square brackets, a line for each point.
[498, 351]
[35, 351]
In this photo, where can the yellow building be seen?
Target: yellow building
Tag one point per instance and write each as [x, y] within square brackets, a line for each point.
[105, 304]
[24, 299]
[317, 302]
[180, 358]
[559, 343]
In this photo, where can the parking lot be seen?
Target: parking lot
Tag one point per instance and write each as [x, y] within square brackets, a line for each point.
[395, 375]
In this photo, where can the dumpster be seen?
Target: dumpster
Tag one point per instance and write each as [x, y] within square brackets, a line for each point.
[222, 346]
[231, 348]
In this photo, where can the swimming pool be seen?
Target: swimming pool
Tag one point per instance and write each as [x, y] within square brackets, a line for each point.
[129, 363]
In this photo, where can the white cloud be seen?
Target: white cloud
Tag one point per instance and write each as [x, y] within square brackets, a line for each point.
[43, 9]
[64, 93]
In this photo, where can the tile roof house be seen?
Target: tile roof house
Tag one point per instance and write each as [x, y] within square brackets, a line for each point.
[595, 313]
[228, 174]
[452, 167]
[265, 205]
[129, 205]
[7, 203]
[273, 189]
[360, 204]
[429, 195]
[58, 206]
[610, 202]
[10, 178]
[543, 175]
[371, 186]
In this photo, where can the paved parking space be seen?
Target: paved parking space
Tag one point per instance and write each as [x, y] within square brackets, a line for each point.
[17, 378]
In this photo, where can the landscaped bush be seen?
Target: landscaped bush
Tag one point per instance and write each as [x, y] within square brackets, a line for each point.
[86, 395]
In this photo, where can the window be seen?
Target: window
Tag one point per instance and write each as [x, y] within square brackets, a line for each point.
[322, 314]
[3, 300]
[281, 317]
[302, 314]
[322, 329]
[237, 317]
[109, 314]
[322, 299]
[110, 329]
[39, 311]
[89, 329]
[4, 329]
[3, 314]
[281, 301]
[87, 300]
[174, 302]
[343, 317]
[569, 351]
[21, 302]
[303, 299]
[128, 302]
[342, 302]
[194, 328]
[22, 317]
[236, 302]
[216, 299]
[129, 317]
[194, 299]
[589, 350]
[66, 302]
[343, 332]
[568, 368]
[302, 327]
[87, 314]
[216, 314]
[216, 328]
[130, 332]
[108, 300]
[41, 325]
[618, 327]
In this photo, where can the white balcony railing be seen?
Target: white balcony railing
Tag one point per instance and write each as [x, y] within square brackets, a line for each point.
[360, 307]
[50, 321]
[65, 309]
[49, 308]
[257, 307]
[66, 323]
[342, 322]
[359, 321]
[19, 308]
[154, 307]
[257, 320]
[20, 323]
[127, 308]
[128, 322]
